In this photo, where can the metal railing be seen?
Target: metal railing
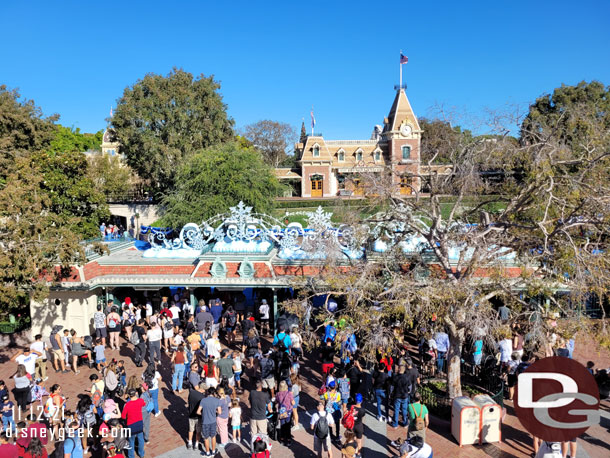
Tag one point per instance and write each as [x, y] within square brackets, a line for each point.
[130, 197]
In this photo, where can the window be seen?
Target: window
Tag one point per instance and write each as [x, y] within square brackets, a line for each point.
[406, 152]
[316, 151]
[377, 156]
[341, 156]
[359, 156]
[111, 152]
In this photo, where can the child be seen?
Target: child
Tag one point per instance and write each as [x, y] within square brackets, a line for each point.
[237, 359]
[38, 391]
[65, 344]
[100, 358]
[344, 390]
[121, 374]
[177, 340]
[3, 389]
[97, 392]
[260, 448]
[590, 366]
[7, 413]
[235, 414]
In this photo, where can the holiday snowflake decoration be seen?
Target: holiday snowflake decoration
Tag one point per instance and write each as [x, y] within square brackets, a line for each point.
[242, 231]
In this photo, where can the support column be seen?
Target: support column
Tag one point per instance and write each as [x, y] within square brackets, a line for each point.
[275, 309]
[193, 299]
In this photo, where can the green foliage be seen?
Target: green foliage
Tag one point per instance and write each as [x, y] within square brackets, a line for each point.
[217, 178]
[303, 136]
[161, 121]
[108, 175]
[73, 200]
[69, 140]
[440, 140]
[23, 128]
[571, 113]
[47, 203]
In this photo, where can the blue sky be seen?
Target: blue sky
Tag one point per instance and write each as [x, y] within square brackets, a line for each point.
[277, 59]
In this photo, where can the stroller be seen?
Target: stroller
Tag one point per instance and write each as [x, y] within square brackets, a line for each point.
[272, 424]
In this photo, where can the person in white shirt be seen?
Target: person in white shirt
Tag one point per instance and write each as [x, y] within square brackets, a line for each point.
[154, 336]
[28, 358]
[321, 444]
[415, 448]
[149, 311]
[41, 361]
[505, 346]
[213, 345]
[175, 316]
[263, 311]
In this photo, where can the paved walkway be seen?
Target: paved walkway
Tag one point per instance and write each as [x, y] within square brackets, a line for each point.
[168, 431]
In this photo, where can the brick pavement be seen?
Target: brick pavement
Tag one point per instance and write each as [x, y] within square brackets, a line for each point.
[168, 431]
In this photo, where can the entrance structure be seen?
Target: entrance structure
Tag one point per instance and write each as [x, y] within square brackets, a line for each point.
[232, 252]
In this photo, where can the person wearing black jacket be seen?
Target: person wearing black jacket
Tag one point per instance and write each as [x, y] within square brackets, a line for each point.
[401, 388]
[140, 348]
[380, 386]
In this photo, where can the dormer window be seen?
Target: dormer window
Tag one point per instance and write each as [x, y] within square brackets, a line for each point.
[359, 155]
[316, 151]
[341, 156]
[377, 156]
[406, 152]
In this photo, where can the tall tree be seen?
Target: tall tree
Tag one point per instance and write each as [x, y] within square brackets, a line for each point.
[23, 128]
[303, 137]
[46, 203]
[438, 140]
[272, 138]
[109, 176]
[161, 121]
[569, 114]
[515, 241]
[217, 178]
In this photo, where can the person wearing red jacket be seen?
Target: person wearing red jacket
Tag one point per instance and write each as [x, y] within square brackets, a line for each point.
[132, 413]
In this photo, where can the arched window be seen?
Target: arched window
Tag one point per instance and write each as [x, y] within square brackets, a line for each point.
[316, 151]
[359, 155]
[341, 156]
[406, 152]
[377, 156]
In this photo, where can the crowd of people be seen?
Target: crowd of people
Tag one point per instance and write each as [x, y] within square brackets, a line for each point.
[183, 338]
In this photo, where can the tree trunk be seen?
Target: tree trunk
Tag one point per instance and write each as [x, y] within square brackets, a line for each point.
[454, 364]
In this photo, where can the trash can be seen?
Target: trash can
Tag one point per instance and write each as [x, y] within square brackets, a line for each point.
[465, 420]
[491, 419]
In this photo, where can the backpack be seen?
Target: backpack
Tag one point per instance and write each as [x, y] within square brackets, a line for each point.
[232, 319]
[321, 429]
[59, 448]
[135, 338]
[112, 323]
[267, 366]
[344, 388]
[420, 423]
[88, 419]
[97, 396]
[168, 326]
[348, 421]
[150, 406]
[281, 345]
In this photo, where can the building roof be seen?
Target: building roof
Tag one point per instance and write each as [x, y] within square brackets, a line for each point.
[401, 110]
[287, 174]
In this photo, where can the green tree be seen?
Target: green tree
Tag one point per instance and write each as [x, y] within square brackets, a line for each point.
[69, 140]
[303, 136]
[109, 176]
[23, 128]
[439, 140]
[161, 121]
[73, 201]
[570, 115]
[217, 178]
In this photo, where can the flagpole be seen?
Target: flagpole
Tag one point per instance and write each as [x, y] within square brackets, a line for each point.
[400, 65]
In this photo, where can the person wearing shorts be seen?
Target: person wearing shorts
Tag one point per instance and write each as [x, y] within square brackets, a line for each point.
[209, 409]
[269, 384]
[321, 445]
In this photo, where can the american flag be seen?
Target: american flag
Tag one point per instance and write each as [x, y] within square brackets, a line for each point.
[111, 112]
[403, 59]
[313, 119]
